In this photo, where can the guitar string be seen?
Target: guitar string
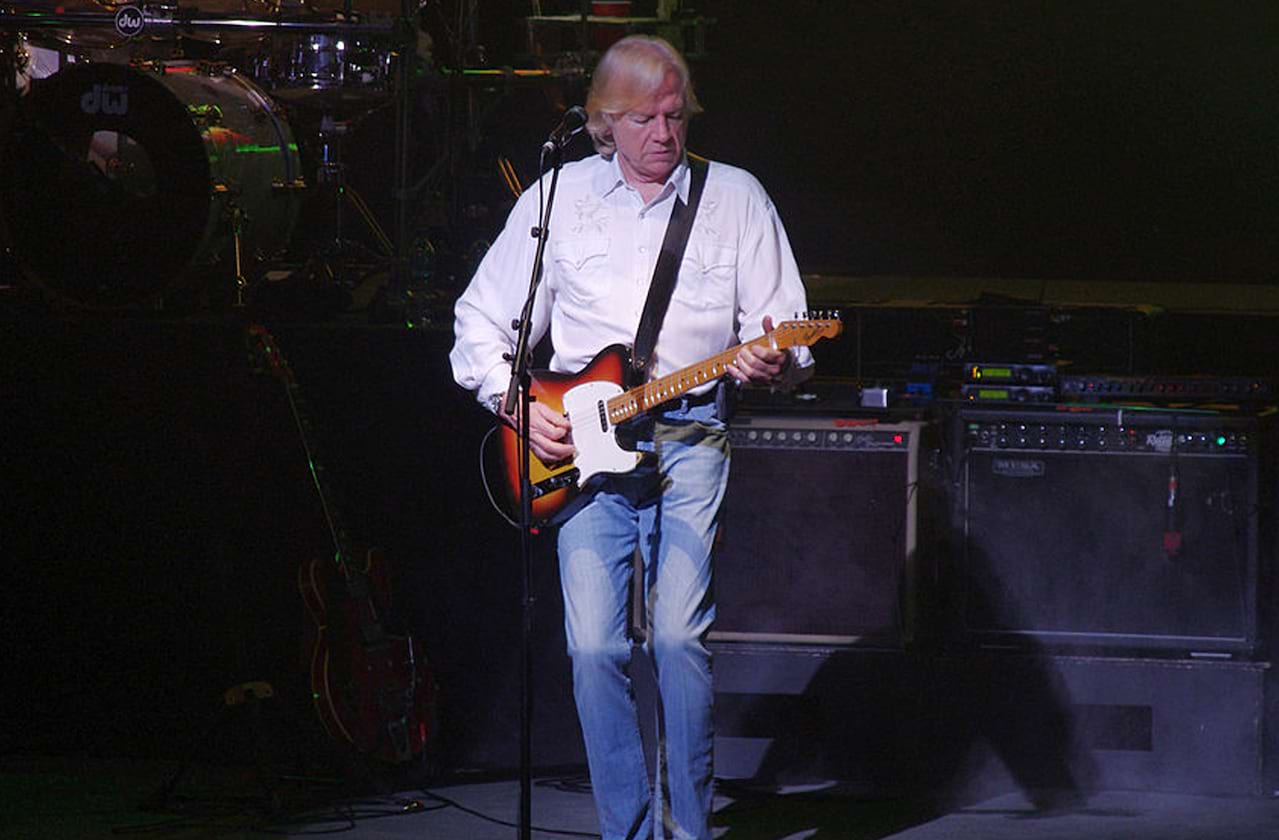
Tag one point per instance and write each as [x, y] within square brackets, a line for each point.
[628, 404]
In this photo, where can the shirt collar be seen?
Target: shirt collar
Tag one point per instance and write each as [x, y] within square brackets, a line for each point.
[610, 179]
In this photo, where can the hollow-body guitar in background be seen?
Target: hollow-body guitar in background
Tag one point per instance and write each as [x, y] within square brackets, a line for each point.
[369, 678]
[596, 402]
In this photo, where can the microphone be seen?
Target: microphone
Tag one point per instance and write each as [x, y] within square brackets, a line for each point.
[573, 121]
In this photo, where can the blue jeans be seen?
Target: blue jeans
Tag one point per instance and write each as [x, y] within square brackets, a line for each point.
[668, 508]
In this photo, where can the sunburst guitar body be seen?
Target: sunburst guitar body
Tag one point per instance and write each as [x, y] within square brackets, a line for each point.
[595, 402]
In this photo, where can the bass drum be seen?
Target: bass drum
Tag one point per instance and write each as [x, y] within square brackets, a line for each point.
[122, 181]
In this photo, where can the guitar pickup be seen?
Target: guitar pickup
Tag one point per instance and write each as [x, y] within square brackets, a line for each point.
[559, 481]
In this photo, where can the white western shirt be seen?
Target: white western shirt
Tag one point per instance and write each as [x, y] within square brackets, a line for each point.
[604, 242]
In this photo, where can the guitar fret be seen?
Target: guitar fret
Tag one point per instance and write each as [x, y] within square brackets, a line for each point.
[652, 394]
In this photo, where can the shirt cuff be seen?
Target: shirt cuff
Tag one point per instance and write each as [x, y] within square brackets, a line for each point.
[493, 390]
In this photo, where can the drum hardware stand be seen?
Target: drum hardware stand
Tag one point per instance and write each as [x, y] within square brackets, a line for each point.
[13, 60]
[332, 175]
[237, 231]
[234, 213]
[463, 135]
[398, 300]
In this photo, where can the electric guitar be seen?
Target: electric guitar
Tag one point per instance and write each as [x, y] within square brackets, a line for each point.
[370, 681]
[595, 402]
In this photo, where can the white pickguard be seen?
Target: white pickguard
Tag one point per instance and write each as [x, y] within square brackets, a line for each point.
[597, 449]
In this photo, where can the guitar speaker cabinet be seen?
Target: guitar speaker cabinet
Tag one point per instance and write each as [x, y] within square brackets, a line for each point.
[819, 531]
[813, 585]
[1108, 530]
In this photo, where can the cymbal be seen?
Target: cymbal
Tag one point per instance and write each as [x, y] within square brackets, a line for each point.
[382, 7]
[110, 6]
[256, 8]
[286, 8]
[53, 5]
[386, 7]
[339, 100]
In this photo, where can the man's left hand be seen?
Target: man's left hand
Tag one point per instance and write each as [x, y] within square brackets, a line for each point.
[760, 365]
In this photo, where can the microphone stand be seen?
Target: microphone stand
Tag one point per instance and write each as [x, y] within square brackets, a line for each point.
[521, 379]
[405, 73]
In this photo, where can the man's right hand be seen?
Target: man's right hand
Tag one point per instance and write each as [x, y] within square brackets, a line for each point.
[549, 432]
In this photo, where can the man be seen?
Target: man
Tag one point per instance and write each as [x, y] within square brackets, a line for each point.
[737, 276]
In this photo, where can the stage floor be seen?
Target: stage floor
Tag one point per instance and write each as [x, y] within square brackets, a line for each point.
[63, 797]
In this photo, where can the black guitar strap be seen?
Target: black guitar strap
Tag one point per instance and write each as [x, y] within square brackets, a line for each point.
[667, 270]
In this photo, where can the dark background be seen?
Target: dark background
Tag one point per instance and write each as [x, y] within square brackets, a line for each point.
[1089, 140]
[156, 499]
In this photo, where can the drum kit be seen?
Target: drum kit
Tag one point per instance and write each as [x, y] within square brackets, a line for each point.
[148, 147]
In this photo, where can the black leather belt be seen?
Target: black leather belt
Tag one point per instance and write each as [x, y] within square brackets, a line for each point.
[690, 400]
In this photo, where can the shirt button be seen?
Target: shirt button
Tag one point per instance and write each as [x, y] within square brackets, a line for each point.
[643, 250]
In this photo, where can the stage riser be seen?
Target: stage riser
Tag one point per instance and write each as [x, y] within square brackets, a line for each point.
[795, 715]
[1109, 723]
[887, 722]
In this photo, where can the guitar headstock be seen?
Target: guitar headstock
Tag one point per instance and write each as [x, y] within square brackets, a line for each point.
[809, 330]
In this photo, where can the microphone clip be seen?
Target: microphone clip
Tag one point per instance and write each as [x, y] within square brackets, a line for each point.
[573, 121]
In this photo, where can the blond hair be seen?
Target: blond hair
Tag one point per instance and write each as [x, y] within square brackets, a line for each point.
[630, 73]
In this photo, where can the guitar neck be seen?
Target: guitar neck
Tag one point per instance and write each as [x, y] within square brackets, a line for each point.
[303, 421]
[305, 424]
[652, 394]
